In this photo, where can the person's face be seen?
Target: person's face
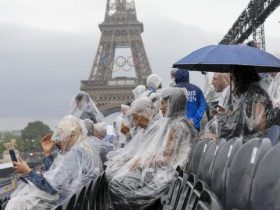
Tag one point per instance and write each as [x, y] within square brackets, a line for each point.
[163, 106]
[140, 120]
[66, 144]
[218, 82]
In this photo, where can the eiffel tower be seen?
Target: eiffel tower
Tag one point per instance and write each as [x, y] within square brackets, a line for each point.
[120, 30]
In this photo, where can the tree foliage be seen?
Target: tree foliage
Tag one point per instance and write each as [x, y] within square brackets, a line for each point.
[34, 130]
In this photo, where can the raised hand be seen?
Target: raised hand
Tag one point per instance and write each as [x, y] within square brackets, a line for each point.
[21, 167]
[47, 144]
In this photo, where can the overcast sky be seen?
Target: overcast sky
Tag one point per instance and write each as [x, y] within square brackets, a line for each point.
[48, 46]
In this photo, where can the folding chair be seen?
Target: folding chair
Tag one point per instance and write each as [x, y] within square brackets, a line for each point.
[208, 201]
[242, 172]
[176, 192]
[222, 163]
[81, 198]
[69, 203]
[186, 192]
[195, 195]
[266, 185]
[166, 198]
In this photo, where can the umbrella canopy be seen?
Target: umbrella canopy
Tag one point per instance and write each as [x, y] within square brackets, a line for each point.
[223, 58]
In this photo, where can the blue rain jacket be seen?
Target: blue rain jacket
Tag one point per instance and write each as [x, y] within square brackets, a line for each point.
[196, 103]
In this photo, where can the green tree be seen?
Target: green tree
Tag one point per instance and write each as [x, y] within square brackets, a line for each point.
[32, 134]
[34, 130]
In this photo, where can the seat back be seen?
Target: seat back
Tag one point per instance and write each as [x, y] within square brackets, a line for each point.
[59, 207]
[166, 199]
[69, 203]
[176, 192]
[87, 196]
[266, 185]
[195, 195]
[186, 192]
[198, 156]
[242, 172]
[223, 160]
[93, 193]
[208, 201]
[209, 159]
[81, 198]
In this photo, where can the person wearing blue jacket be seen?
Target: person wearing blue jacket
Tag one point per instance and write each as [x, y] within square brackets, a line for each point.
[196, 103]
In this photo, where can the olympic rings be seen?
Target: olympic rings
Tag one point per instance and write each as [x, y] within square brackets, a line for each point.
[120, 63]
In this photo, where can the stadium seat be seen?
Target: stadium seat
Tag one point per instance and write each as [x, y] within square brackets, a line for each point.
[103, 200]
[186, 192]
[60, 207]
[81, 198]
[242, 171]
[166, 198]
[209, 158]
[69, 203]
[208, 201]
[176, 192]
[87, 196]
[94, 192]
[199, 187]
[223, 160]
[266, 185]
[197, 156]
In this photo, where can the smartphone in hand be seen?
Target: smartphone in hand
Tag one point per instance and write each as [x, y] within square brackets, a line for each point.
[13, 155]
[14, 159]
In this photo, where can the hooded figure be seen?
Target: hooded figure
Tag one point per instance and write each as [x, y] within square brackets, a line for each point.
[145, 176]
[83, 107]
[138, 91]
[72, 168]
[122, 128]
[101, 147]
[196, 104]
[153, 84]
[145, 118]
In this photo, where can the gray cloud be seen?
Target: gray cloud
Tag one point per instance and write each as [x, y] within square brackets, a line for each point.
[41, 65]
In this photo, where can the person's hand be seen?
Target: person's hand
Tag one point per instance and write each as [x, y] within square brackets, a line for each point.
[124, 129]
[47, 144]
[21, 167]
[191, 122]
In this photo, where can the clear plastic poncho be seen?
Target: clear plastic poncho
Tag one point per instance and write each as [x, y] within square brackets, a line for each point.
[146, 175]
[83, 107]
[138, 91]
[143, 107]
[101, 147]
[122, 128]
[252, 113]
[274, 90]
[72, 168]
[153, 84]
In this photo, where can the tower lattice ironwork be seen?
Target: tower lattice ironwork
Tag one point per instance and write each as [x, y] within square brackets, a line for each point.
[251, 21]
[120, 29]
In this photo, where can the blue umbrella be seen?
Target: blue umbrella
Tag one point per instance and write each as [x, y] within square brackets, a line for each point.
[223, 58]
